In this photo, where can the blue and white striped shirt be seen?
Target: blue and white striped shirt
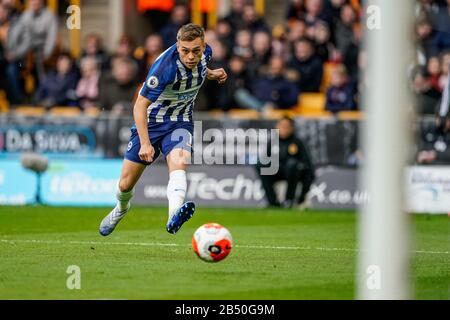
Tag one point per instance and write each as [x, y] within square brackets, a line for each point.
[172, 87]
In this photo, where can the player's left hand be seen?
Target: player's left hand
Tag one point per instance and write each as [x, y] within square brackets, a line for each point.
[218, 74]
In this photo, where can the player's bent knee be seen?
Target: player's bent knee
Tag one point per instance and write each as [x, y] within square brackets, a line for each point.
[125, 185]
[130, 175]
[126, 182]
[178, 159]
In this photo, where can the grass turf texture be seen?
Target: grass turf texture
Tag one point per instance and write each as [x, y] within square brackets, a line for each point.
[321, 267]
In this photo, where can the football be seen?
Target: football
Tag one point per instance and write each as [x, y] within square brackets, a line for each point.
[212, 242]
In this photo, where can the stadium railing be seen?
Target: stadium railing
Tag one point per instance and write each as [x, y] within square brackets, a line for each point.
[350, 115]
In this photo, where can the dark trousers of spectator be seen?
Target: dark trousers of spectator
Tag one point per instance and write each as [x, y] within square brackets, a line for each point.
[13, 85]
[293, 173]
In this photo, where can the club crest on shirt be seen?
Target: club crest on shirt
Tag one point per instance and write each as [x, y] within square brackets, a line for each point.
[292, 149]
[152, 82]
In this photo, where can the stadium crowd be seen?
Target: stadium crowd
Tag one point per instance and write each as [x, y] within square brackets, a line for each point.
[317, 49]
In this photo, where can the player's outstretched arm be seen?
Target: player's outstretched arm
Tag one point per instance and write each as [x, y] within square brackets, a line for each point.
[218, 74]
[146, 152]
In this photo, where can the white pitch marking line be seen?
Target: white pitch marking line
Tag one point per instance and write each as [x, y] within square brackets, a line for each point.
[159, 244]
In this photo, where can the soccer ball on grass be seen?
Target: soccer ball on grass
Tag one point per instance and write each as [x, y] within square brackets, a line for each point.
[212, 242]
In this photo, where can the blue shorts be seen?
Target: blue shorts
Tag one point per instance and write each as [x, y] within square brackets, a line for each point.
[164, 137]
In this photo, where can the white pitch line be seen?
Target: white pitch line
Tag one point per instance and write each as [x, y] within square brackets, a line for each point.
[145, 244]
[298, 248]
[159, 244]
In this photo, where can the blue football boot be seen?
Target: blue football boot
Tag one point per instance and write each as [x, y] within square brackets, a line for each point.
[183, 214]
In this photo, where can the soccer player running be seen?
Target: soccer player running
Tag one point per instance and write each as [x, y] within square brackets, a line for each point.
[163, 123]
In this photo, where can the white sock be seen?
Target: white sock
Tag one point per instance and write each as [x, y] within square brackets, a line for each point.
[176, 190]
[123, 199]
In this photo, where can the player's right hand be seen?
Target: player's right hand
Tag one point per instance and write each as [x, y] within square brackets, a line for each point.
[146, 153]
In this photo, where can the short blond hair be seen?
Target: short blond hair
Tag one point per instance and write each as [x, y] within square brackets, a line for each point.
[190, 32]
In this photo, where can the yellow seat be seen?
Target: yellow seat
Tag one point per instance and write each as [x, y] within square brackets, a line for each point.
[65, 111]
[4, 103]
[216, 114]
[311, 102]
[312, 105]
[92, 112]
[30, 111]
[243, 114]
[277, 114]
[315, 114]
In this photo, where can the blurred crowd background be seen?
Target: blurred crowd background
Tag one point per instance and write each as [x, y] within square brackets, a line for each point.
[304, 58]
[70, 71]
[317, 49]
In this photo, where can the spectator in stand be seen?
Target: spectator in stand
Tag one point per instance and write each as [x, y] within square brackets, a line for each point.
[279, 41]
[219, 59]
[178, 17]
[35, 32]
[234, 18]
[350, 55]
[117, 91]
[340, 94]
[436, 140]
[225, 34]
[445, 67]
[4, 29]
[324, 48]
[441, 24]
[443, 110]
[251, 20]
[273, 90]
[361, 78]
[88, 86]
[426, 96]
[308, 66]
[261, 47]
[12, 6]
[315, 12]
[57, 88]
[237, 79]
[12, 64]
[434, 72]
[125, 48]
[296, 31]
[153, 48]
[211, 36]
[216, 96]
[295, 10]
[343, 32]
[426, 7]
[243, 46]
[334, 8]
[94, 49]
[426, 41]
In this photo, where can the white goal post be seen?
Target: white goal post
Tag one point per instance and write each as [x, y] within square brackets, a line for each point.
[383, 264]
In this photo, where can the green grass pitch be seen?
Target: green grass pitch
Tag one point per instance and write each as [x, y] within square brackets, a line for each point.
[278, 254]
